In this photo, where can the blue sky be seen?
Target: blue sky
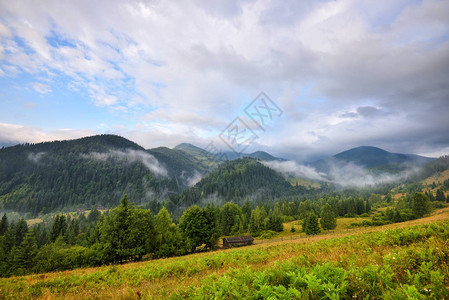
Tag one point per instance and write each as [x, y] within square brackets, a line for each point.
[345, 73]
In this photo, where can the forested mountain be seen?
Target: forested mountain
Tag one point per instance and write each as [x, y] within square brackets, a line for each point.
[373, 158]
[200, 154]
[98, 170]
[38, 178]
[237, 179]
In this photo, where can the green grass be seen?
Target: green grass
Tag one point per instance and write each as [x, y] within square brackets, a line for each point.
[398, 261]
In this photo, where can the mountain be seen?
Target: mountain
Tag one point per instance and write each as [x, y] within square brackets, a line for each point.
[264, 156]
[39, 178]
[200, 154]
[235, 180]
[372, 158]
[182, 167]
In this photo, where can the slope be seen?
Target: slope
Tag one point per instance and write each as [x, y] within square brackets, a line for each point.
[384, 261]
[235, 180]
[372, 157]
[39, 178]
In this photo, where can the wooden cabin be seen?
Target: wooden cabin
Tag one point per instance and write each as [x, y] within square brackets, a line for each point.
[237, 241]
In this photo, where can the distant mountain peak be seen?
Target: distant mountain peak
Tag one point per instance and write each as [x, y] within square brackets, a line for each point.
[371, 157]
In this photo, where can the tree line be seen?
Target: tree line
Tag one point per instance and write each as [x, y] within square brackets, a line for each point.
[132, 233]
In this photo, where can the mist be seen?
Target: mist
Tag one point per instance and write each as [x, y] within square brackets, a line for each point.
[293, 169]
[339, 173]
[36, 157]
[191, 180]
[130, 156]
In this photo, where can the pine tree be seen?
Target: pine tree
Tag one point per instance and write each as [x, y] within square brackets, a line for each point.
[25, 255]
[311, 226]
[440, 196]
[420, 205]
[3, 225]
[328, 220]
[21, 231]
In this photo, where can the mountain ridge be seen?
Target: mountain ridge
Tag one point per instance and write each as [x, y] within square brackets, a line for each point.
[371, 157]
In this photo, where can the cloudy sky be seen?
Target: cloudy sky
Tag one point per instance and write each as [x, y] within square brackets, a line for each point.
[344, 73]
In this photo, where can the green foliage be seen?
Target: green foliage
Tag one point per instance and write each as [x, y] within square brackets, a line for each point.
[40, 178]
[440, 196]
[328, 220]
[257, 220]
[4, 225]
[200, 225]
[230, 219]
[127, 232]
[59, 228]
[420, 205]
[25, 254]
[170, 240]
[311, 226]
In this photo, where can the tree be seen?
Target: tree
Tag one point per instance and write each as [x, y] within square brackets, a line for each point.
[228, 219]
[126, 233]
[257, 220]
[440, 196]
[3, 225]
[94, 215]
[24, 256]
[328, 220]
[275, 222]
[420, 205]
[195, 225]
[169, 239]
[59, 228]
[21, 231]
[311, 226]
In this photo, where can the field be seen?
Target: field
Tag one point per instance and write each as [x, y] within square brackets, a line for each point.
[396, 261]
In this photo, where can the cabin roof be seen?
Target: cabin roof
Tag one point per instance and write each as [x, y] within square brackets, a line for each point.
[239, 239]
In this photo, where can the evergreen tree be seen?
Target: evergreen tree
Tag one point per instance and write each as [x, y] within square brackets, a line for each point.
[59, 228]
[24, 256]
[169, 239]
[328, 220]
[3, 225]
[440, 196]
[257, 221]
[311, 226]
[275, 223]
[420, 205]
[228, 219]
[20, 231]
[94, 215]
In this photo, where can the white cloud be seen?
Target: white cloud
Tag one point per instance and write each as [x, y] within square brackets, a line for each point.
[188, 68]
[41, 88]
[131, 156]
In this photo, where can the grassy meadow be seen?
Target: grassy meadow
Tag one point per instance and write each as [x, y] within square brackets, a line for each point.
[396, 261]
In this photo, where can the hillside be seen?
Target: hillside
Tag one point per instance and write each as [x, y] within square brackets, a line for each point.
[38, 178]
[399, 261]
[199, 153]
[235, 180]
[372, 158]
[181, 167]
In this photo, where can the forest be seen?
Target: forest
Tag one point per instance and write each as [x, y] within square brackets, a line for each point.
[132, 233]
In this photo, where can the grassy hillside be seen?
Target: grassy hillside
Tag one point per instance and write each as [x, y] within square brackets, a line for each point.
[405, 260]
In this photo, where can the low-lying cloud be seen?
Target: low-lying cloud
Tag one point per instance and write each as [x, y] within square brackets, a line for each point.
[339, 173]
[191, 180]
[293, 169]
[36, 157]
[131, 156]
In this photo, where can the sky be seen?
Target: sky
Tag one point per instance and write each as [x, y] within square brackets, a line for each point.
[336, 74]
